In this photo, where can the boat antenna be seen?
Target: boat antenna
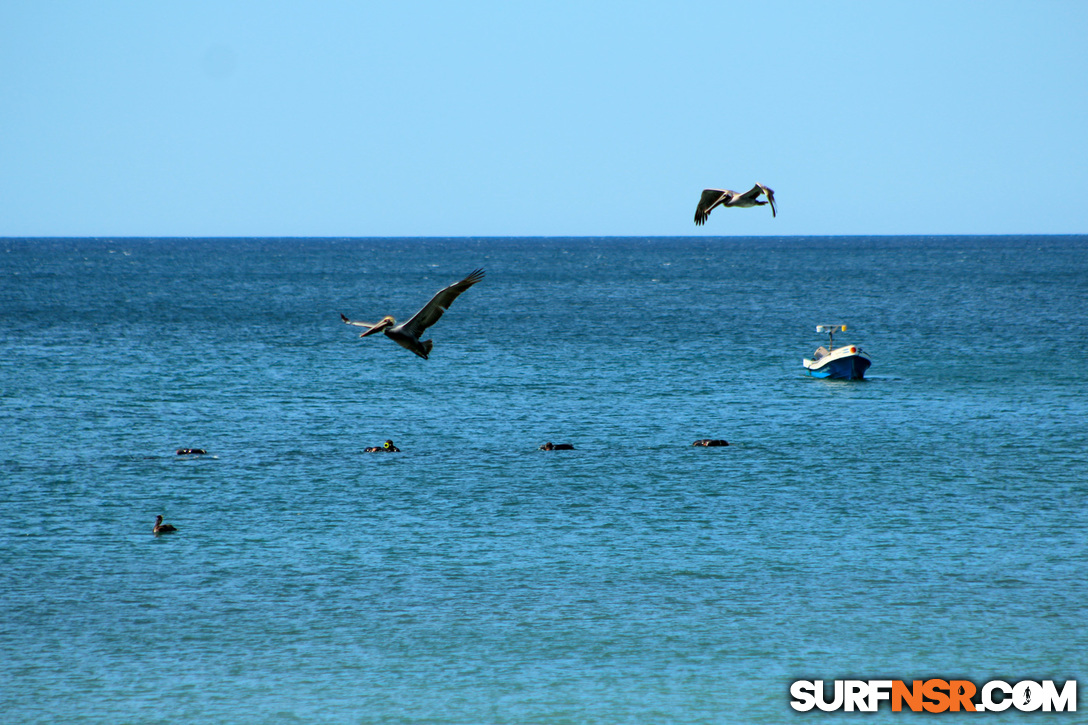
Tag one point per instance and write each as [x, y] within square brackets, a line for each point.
[830, 330]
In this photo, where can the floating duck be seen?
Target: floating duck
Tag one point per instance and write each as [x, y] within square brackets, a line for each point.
[161, 528]
[386, 447]
[710, 442]
[191, 451]
[549, 446]
[407, 334]
[727, 197]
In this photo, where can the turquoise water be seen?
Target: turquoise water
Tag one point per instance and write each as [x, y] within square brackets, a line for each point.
[928, 522]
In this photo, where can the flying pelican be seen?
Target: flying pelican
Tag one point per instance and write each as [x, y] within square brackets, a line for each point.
[727, 197]
[407, 334]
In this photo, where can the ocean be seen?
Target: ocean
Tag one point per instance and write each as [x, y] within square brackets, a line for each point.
[928, 522]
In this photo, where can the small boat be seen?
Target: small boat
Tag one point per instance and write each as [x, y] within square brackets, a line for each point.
[848, 362]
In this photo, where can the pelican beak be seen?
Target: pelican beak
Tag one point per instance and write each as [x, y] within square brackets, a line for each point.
[386, 322]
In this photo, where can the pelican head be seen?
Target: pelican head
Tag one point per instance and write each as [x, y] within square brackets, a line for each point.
[386, 321]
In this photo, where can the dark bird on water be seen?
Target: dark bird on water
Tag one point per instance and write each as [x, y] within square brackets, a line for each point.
[727, 197]
[161, 528]
[386, 447]
[407, 334]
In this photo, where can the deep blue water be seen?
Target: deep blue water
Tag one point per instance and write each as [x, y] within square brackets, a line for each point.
[928, 522]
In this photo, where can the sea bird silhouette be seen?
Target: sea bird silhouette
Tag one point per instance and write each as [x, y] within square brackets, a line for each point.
[407, 334]
[727, 197]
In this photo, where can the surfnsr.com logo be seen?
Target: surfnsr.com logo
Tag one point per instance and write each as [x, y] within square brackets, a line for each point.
[934, 695]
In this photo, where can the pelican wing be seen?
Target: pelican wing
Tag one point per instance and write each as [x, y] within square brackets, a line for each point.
[441, 302]
[709, 199]
[355, 322]
[752, 194]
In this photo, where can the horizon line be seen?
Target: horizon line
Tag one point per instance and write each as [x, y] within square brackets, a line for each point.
[541, 236]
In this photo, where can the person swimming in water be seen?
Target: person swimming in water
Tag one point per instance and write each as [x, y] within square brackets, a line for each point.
[161, 528]
[386, 447]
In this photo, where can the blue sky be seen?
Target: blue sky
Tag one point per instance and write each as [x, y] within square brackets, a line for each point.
[541, 118]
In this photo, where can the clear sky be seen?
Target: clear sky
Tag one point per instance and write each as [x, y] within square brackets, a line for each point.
[402, 118]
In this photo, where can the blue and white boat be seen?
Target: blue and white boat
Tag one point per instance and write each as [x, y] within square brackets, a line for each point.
[848, 362]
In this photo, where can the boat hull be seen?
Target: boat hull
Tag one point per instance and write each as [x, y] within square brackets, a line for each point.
[839, 366]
